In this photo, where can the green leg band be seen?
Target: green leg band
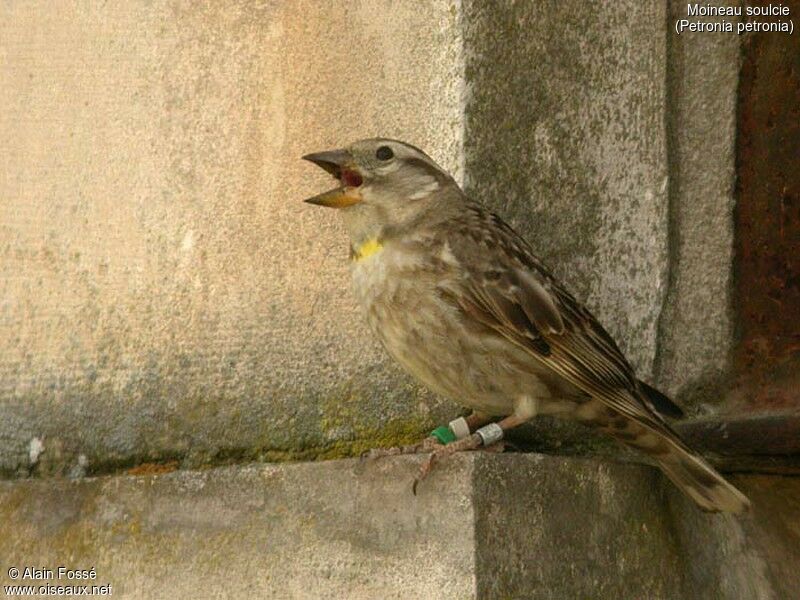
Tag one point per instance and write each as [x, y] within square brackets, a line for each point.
[444, 435]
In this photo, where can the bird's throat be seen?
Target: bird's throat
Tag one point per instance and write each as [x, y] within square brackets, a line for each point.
[366, 249]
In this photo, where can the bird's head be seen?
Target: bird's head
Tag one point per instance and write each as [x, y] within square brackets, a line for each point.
[383, 182]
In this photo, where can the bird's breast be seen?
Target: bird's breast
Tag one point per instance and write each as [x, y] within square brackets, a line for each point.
[399, 294]
[382, 282]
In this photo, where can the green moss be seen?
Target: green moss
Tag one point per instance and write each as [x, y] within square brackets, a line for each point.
[342, 420]
[394, 433]
[209, 431]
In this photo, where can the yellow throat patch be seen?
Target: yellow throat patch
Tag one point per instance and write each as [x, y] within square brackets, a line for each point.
[366, 249]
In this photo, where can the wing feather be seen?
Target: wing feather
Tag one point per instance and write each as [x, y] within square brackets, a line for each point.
[518, 298]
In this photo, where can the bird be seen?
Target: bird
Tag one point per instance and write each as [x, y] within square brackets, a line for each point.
[463, 304]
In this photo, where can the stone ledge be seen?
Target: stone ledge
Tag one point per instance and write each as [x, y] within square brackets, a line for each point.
[482, 526]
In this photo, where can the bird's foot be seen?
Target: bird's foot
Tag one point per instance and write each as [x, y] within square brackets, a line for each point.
[442, 442]
[471, 442]
[429, 444]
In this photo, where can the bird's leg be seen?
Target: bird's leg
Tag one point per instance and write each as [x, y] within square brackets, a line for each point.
[511, 421]
[429, 444]
[477, 419]
[489, 437]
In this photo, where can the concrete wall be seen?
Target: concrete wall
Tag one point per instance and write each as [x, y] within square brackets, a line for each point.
[163, 291]
[165, 295]
[696, 333]
[565, 135]
[260, 531]
[483, 526]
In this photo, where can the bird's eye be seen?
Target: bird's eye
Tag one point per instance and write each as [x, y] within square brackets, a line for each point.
[384, 153]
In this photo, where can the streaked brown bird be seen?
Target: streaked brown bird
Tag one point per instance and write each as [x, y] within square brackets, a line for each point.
[463, 304]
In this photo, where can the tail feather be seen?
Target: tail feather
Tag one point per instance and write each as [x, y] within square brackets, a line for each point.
[698, 480]
[687, 470]
[660, 402]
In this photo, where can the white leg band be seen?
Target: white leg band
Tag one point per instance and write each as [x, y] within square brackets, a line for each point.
[490, 434]
[459, 428]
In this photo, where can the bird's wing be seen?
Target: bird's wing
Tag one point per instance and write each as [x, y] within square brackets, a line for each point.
[507, 289]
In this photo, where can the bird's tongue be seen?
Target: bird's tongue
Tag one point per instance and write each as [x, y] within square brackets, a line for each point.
[351, 178]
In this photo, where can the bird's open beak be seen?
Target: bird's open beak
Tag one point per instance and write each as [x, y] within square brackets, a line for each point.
[340, 164]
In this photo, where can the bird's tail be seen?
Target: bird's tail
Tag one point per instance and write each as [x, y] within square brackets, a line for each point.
[693, 475]
[654, 437]
[698, 480]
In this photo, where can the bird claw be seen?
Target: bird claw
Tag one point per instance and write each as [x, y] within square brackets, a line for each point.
[435, 451]
[429, 444]
[473, 442]
[424, 469]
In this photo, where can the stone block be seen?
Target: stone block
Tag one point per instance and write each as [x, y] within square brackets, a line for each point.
[696, 334]
[565, 136]
[164, 293]
[482, 526]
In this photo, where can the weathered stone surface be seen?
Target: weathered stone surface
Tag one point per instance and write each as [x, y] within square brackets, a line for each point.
[697, 329]
[162, 285]
[482, 526]
[552, 528]
[565, 136]
[163, 291]
[165, 295]
[756, 555]
[317, 530]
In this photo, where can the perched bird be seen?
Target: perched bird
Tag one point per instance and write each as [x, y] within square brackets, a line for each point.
[463, 304]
